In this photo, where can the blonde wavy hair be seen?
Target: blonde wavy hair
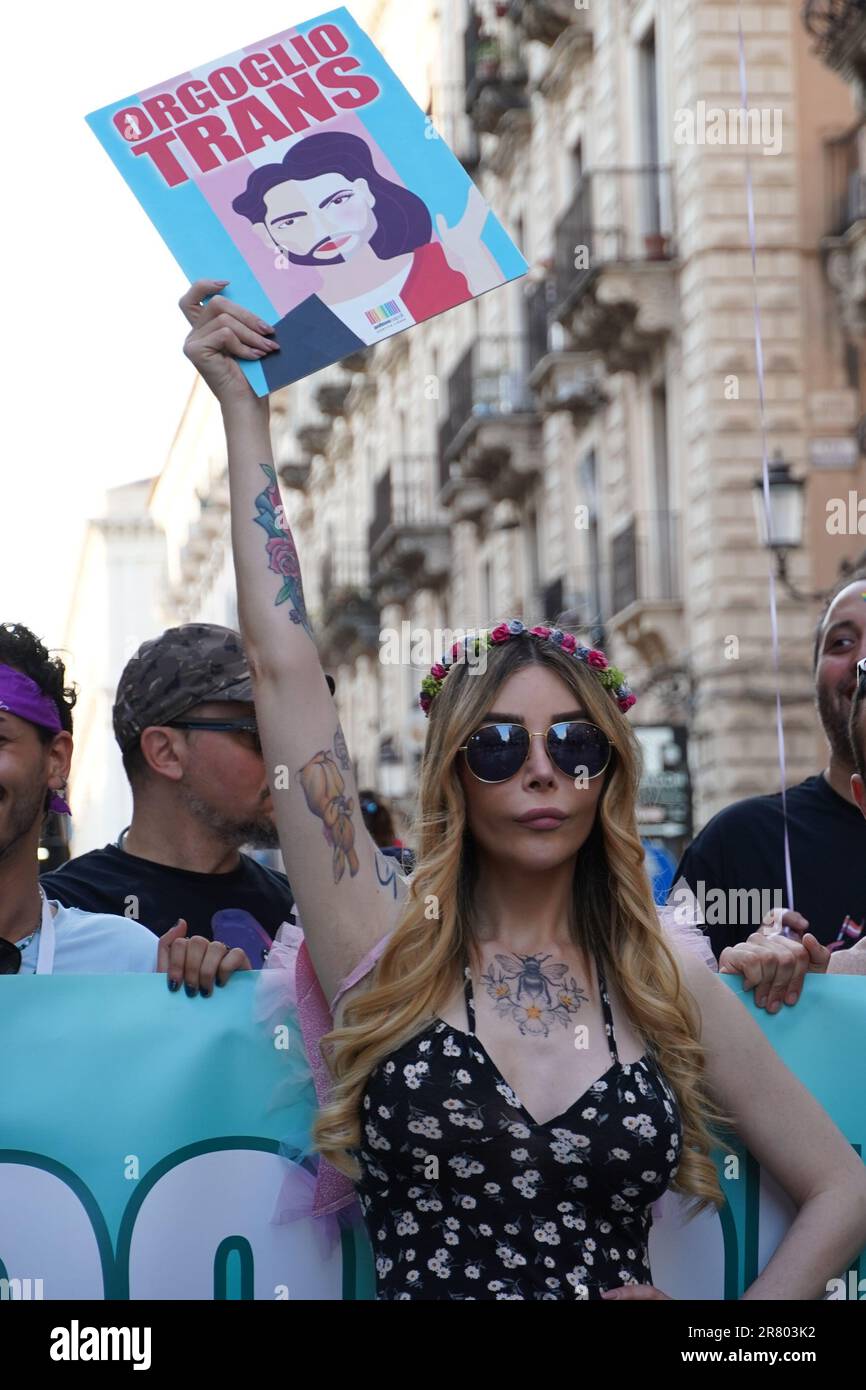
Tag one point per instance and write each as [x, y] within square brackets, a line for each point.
[616, 920]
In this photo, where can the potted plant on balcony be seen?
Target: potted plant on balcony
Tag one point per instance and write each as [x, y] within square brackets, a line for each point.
[656, 246]
[488, 59]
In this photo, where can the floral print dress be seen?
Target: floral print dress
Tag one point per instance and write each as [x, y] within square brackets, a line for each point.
[465, 1196]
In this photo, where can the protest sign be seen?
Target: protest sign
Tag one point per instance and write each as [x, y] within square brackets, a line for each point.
[142, 1143]
[140, 1150]
[301, 170]
[717, 1255]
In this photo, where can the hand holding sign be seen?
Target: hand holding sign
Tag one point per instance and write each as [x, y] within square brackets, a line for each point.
[776, 965]
[197, 963]
[222, 331]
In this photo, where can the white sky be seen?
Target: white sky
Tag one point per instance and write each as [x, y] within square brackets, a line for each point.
[94, 378]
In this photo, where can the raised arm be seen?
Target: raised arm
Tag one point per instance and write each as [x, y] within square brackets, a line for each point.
[349, 894]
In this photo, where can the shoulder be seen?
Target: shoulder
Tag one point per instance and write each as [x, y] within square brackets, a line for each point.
[741, 815]
[80, 865]
[268, 877]
[102, 943]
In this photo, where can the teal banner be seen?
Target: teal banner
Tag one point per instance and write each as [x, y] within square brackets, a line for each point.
[154, 1146]
[143, 1147]
[822, 1039]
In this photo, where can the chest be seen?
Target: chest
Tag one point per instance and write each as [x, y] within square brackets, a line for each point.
[549, 1043]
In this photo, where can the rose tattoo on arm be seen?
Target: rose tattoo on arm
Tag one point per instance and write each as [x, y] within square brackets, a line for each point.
[282, 553]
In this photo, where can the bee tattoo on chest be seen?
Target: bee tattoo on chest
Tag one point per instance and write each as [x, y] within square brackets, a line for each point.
[531, 992]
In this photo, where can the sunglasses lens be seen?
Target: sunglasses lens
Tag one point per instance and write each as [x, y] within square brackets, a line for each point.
[578, 748]
[497, 751]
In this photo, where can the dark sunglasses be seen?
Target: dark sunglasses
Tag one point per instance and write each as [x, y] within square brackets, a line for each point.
[229, 726]
[496, 752]
[10, 957]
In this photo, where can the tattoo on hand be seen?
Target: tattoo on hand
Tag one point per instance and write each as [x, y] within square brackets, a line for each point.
[324, 790]
[389, 869]
[533, 994]
[282, 554]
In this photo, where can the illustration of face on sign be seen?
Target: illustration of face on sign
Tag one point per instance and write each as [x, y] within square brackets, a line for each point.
[325, 205]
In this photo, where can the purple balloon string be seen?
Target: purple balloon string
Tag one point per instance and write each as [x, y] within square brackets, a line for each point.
[765, 472]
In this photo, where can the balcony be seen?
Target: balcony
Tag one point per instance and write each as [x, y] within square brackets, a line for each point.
[489, 445]
[561, 379]
[545, 21]
[646, 592]
[313, 438]
[496, 76]
[331, 397]
[839, 26]
[348, 621]
[844, 246]
[615, 281]
[447, 115]
[294, 473]
[357, 362]
[409, 541]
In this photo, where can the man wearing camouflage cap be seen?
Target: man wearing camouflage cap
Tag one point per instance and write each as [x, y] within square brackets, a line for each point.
[185, 722]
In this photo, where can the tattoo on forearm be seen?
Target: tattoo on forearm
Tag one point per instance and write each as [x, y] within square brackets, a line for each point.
[532, 993]
[282, 554]
[341, 750]
[388, 869]
[325, 790]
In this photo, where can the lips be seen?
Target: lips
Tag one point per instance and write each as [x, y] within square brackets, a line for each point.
[542, 818]
[333, 245]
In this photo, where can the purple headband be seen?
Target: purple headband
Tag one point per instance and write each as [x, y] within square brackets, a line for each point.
[21, 696]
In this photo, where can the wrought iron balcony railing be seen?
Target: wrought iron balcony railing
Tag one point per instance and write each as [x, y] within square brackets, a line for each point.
[489, 382]
[645, 561]
[846, 180]
[496, 76]
[404, 499]
[616, 215]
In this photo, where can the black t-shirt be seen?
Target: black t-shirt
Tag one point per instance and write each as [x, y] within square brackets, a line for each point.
[233, 907]
[742, 848]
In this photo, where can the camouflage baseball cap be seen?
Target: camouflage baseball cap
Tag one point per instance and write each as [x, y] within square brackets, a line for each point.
[185, 666]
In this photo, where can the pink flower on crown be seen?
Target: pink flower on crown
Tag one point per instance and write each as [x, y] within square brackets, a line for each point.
[457, 651]
[438, 672]
[597, 659]
[626, 702]
[569, 642]
[425, 701]
[540, 631]
[500, 633]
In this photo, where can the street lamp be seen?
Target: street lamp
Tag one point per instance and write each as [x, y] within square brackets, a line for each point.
[786, 520]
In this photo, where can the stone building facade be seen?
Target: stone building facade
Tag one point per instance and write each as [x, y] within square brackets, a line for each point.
[583, 445]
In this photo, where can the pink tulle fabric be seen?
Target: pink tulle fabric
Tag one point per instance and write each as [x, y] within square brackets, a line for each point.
[297, 987]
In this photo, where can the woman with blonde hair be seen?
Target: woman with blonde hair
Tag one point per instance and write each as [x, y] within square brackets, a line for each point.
[532, 1060]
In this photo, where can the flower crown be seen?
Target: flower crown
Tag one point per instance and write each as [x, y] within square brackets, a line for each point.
[610, 676]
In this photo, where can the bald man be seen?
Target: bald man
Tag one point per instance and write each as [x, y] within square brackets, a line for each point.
[742, 848]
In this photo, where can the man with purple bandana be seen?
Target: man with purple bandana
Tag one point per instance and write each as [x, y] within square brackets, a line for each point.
[39, 935]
